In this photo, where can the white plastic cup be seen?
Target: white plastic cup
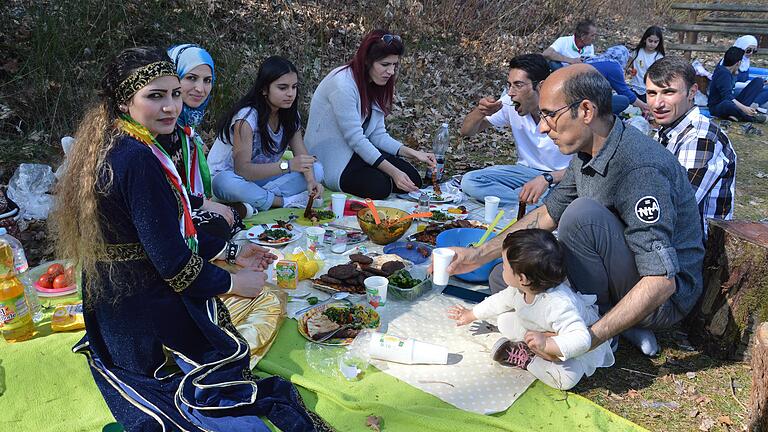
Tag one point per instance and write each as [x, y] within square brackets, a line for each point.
[376, 290]
[491, 208]
[338, 200]
[315, 236]
[405, 350]
[441, 258]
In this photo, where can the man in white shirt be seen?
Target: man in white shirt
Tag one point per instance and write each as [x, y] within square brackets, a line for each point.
[540, 165]
[574, 48]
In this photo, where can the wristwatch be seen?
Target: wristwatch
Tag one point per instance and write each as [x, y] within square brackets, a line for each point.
[548, 177]
[284, 167]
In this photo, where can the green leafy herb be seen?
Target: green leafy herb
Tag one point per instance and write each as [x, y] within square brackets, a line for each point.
[403, 279]
[312, 300]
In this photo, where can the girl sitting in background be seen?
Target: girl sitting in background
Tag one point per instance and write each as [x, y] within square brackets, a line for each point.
[246, 159]
[648, 50]
[537, 302]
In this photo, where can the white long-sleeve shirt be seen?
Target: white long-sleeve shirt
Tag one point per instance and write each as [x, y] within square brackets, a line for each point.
[559, 310]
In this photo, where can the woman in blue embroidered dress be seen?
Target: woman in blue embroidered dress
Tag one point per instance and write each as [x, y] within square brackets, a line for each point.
[159, 342]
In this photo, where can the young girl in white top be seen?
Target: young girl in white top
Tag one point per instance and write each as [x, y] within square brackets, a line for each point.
[648, 50]
[246, 161]
[537, 311]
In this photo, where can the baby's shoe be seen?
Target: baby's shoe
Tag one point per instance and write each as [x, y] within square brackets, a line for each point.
[512, 354]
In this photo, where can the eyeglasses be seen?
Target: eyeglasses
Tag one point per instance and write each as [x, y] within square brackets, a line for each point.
[388, 38]
[552, 117]
[750, 51]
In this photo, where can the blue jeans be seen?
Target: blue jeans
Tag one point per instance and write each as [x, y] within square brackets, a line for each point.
[260, 194]
[747, 96]
[555, 65]
[762, 95]
[503, 181]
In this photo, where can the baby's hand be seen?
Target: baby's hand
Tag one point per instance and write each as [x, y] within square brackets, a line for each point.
[537, 342]
[461, 314]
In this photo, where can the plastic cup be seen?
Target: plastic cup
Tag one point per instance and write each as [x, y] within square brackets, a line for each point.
[427, 353]
[376, 290]
[338, 200]
[491, 208]
[441, 258]
[315, 236]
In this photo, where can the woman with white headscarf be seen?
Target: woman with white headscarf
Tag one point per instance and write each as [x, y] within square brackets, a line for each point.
[749, 44]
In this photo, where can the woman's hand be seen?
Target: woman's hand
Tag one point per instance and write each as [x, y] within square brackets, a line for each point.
[224, 210]
[461, 314]
[254, 257]
[248, 283]
[315, 188]
[302, 163]
[402, 181]
[427, 158]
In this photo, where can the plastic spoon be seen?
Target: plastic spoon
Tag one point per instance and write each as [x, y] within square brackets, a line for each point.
[375, 212]
[334, 297]
[490, 229]
[411, 216]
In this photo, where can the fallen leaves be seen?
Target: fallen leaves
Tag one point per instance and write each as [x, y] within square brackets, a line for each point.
[373, 422]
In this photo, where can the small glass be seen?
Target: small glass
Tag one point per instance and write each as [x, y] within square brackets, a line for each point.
[339, 241]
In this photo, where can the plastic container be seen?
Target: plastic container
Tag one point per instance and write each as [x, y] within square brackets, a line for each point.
[463, 237]
[15, 317]
[413, 293]
[406, 350]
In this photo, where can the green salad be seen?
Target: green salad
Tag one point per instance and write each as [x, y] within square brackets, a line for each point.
[403, 279]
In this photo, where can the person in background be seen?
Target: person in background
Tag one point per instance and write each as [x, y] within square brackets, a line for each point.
[572, 49]
[722, 101]
[749, 44]
[540, 165]
[346, 127]
[155, 328]
[702, 148]
[194, 65]
[611, 65]
[247, 157]
[648, 50]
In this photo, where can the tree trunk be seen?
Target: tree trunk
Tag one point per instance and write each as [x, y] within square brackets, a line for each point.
[758, 397]
[735, 296]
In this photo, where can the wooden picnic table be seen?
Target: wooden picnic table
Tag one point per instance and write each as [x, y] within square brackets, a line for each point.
[688, 33]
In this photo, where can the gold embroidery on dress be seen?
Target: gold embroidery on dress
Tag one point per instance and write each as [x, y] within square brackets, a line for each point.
[187, 275]
[122, 252]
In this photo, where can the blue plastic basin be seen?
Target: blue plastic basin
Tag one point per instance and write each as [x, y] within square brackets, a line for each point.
[463, 237]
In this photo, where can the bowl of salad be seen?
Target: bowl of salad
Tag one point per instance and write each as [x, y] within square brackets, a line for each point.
[409, 284]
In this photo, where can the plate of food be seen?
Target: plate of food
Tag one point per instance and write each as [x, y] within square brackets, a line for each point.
[442, 213]
[56, 279]
[434, 197]
[277, 234]
[353, 236]
[320, 321]
[349, 277]
[413, 251]
[313, 216]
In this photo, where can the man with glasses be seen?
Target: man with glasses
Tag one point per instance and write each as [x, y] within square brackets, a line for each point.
[702, 148]
[574, 48]
[625, 214]
[540, 165]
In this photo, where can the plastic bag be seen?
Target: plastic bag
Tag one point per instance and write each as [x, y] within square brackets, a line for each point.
[66, 144]
[29, 188]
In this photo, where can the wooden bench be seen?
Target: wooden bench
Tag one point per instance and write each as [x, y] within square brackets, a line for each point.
[688, 33]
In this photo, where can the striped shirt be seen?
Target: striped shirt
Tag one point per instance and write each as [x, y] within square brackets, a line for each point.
[705, 151]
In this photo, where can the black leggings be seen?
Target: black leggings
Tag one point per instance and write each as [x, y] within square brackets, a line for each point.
[365, 181]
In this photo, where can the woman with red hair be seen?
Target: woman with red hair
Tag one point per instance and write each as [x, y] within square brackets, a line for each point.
[346, 124]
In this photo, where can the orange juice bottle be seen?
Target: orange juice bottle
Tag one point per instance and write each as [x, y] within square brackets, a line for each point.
[15, 317]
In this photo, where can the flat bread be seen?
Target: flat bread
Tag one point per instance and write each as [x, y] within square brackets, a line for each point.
[319, 325]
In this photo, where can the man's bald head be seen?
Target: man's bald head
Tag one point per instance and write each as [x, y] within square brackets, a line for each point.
[580, 82]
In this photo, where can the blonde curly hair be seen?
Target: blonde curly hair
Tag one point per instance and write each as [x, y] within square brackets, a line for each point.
[76, 221]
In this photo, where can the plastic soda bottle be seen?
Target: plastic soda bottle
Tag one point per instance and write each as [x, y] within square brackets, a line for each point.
[439, 147]
[20, 267]
[15, 316]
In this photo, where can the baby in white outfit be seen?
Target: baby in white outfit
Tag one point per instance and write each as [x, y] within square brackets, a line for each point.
[537, 302]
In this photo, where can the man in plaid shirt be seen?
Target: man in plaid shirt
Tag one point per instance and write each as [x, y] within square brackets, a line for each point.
[702, 148]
